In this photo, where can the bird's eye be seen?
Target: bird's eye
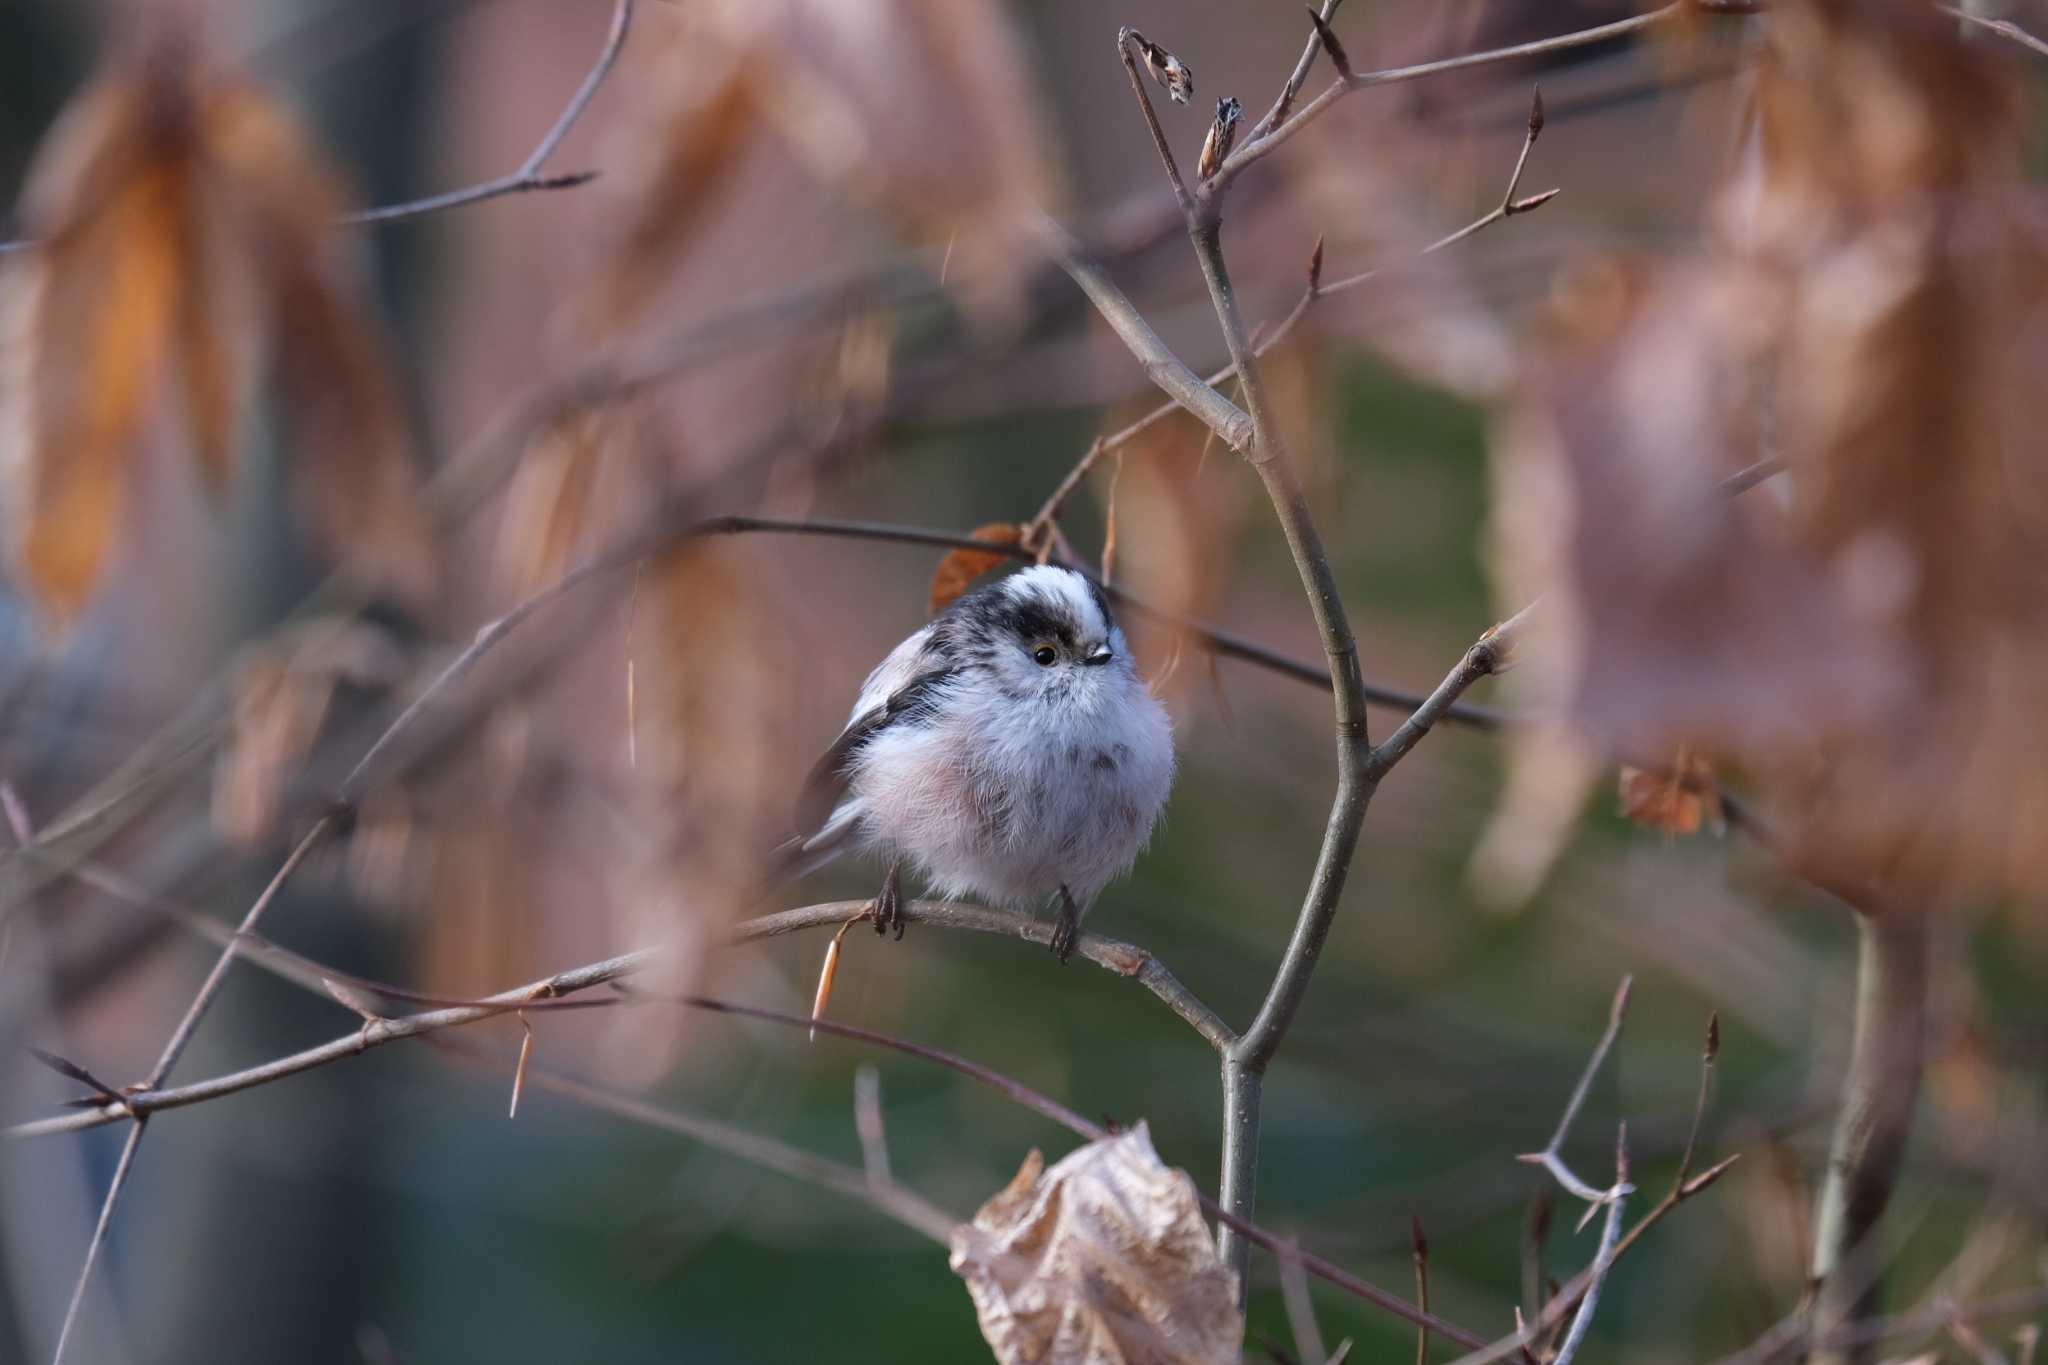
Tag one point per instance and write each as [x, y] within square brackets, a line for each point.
[1045, 654]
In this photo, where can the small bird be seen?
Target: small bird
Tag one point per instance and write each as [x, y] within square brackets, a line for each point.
[1008, 750]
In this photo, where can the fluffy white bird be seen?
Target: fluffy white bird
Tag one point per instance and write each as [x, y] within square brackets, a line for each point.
[1008, 750]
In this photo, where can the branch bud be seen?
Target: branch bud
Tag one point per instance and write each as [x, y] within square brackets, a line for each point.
[1222, 134]
[1338, 57]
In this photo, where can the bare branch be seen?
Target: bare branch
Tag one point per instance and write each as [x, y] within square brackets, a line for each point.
[1122, 959]
[867, 1123]
[1603, 1259]
[1879, 1094]
[1489, 654]
[1292, 88]
[99, 1239]
[912, 1210]
[1159, 142]
[2004, 28]
[528, 177]
[1270, 140]
[180, 1038]
[1301, 1311]
[1048, 513]
[1420, 1246]
[1165, 369]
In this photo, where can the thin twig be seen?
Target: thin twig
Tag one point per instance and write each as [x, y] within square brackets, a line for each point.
[528, 177]
[1292, 89]
[2004, 28]
[1548, 1158]
[544, 995]
[1420, 1246]
[1603, 1259]
[912, 1210]
[867, 1123]
[1489, 654]
[1301, 1311]
[1257, 147]
[1273, 337]
[1162, 366]
[1879, 1093]
[174, 1048]
[99, 1238]
[1246, 1059]
[1122, 959]
[1159, 142]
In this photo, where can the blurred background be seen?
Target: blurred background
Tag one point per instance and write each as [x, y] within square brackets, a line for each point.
[267, 475]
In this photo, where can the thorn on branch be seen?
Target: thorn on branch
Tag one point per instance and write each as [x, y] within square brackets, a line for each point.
[567, 180]
[102, 1093]
[1707, 1177]
[1170, 71]
[1338, 57]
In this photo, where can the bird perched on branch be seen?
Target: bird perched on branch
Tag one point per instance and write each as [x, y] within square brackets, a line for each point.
[1008, 750]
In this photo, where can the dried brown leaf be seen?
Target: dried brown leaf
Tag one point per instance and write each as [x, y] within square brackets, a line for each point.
[1871, 628]
[92, 313]
[1676, 800]
[548, 507]
[958, 570]
[184, 219]
[700, 142]
[1103, 1260]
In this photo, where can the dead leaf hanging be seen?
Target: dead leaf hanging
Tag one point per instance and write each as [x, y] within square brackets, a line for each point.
[1103, 1260]
[958, 570]
[185, 228]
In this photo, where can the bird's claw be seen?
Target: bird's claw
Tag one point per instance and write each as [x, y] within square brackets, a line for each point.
[1066, 928]
[887, 909]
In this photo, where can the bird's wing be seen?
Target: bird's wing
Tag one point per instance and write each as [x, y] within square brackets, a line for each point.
[903, 688]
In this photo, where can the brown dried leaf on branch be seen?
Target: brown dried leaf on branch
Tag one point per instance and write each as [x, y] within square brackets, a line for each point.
[1675, 800]
[919, 114]
[958, 570]
[1103, 1260]
[1869, 631]
[184, 227]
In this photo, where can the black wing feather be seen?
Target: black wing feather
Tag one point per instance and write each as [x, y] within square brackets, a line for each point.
[910, 704]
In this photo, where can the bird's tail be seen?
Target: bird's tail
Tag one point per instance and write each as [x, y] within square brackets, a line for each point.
[794, 859]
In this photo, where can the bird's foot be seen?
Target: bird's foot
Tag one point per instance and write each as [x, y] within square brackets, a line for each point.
[1066, 927]
[887, 910]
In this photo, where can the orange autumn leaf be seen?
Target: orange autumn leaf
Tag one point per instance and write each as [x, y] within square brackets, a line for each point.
[96, 305]
[958, 570]
[1677, 801]
[184, 227]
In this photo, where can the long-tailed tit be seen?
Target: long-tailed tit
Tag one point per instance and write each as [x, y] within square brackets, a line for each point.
[1008, 750]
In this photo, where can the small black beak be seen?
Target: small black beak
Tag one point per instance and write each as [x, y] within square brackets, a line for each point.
[1099, 657]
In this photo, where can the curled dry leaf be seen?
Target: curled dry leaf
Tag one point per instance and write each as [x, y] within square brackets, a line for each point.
[184, 224]
[1676, 800]
[1867, 632]
[1170, 71]
[1102, 1260]
[958, 570]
